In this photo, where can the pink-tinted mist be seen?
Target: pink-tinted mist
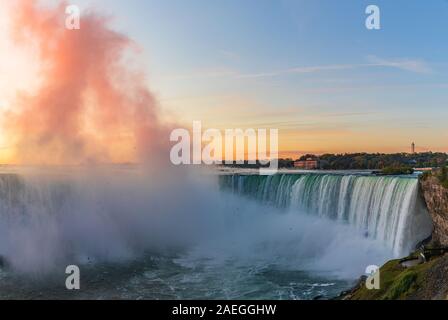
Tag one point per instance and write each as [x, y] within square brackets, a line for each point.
[90, 106]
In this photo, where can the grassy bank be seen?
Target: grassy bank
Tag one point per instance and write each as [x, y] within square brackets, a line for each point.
[396, 282]
[424, 281]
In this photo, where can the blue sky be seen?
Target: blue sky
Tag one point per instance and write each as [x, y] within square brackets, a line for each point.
[307, 67]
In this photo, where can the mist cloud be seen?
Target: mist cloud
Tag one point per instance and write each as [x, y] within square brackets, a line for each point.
[90, 106]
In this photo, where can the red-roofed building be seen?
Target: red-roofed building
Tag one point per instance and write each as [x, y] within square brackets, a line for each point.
[308, 164]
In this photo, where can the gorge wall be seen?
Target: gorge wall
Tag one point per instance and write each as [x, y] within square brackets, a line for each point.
[436, 198]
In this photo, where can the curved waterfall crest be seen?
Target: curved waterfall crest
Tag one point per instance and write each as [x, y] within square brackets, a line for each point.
[388, 208]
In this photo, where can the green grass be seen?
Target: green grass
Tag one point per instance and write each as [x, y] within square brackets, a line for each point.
[396, 282]
[403, 285]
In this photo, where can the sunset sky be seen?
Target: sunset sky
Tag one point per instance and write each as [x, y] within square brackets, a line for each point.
[307, 67]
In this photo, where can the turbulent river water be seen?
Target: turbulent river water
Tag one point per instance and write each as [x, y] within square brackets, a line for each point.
[149, 236]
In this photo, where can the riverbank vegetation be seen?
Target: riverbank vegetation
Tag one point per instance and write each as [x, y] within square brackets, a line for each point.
[378, 161]
[443, 177]
[397, 170]
[364, 161]
[422, 281]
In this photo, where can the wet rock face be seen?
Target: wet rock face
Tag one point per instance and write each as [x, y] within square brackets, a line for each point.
[436, 198]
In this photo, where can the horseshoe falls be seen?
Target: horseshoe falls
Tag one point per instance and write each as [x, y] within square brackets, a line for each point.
[200, 236]
[386, 208]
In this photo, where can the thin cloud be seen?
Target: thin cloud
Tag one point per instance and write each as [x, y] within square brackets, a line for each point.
[413, 65]
[405, 64]
[300, 70]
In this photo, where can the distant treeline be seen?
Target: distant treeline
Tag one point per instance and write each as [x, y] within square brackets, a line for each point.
[379, 160]
[370, 161]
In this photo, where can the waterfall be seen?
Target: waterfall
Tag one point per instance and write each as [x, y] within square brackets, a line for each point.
[386, 208]
[56, 218]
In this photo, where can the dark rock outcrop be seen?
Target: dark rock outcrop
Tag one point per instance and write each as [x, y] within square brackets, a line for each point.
[436, 198]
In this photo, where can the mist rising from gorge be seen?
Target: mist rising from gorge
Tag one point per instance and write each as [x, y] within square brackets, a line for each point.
[90, 106]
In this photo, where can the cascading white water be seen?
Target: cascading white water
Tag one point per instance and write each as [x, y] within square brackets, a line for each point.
[221, 242]
[385, 208]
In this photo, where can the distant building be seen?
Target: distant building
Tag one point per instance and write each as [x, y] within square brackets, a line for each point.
[308, 164]
[413, 148]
